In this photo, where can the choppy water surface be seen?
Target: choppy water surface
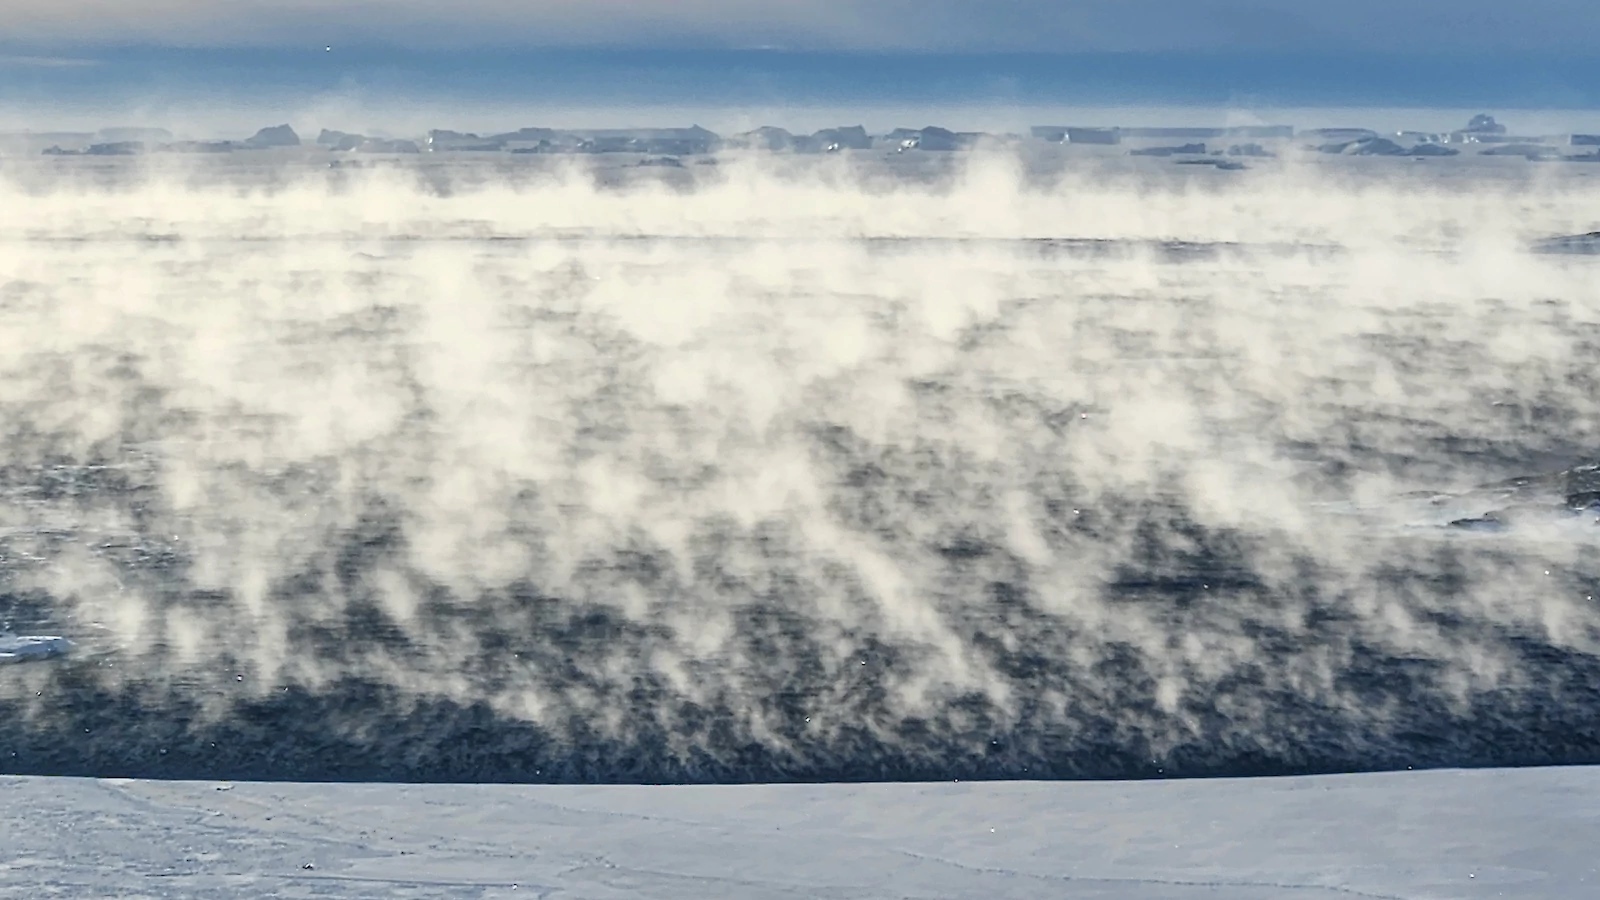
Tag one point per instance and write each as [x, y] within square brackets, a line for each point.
[820, 473]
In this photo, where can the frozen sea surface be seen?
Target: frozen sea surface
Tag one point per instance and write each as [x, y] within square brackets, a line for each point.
[1442, 835]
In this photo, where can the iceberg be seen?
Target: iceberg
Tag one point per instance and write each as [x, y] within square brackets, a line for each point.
[26, 648]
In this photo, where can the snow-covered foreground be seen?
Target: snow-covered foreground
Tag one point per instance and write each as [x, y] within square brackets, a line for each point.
[1446, 834]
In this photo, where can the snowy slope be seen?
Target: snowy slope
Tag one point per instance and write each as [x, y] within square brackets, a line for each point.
[1445, 834]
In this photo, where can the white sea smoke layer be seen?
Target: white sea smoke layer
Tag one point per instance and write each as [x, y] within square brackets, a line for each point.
[823, 454]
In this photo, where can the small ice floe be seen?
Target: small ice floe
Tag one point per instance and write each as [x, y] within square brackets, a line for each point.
[1583, 244]
[26, 648]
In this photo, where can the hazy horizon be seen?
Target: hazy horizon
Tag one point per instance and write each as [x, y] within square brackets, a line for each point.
[374, 116]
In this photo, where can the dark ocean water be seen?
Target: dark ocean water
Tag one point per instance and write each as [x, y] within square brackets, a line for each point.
[981, 480]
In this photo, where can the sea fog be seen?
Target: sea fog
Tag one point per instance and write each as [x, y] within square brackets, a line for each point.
[983, 465]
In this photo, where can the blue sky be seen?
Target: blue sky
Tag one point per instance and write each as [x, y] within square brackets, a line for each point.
[1556, 26]
[1531, 53]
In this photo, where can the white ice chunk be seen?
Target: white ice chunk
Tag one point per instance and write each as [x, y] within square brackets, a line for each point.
[25, 648]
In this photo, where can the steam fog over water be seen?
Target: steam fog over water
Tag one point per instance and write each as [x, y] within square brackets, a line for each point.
[766, 471]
